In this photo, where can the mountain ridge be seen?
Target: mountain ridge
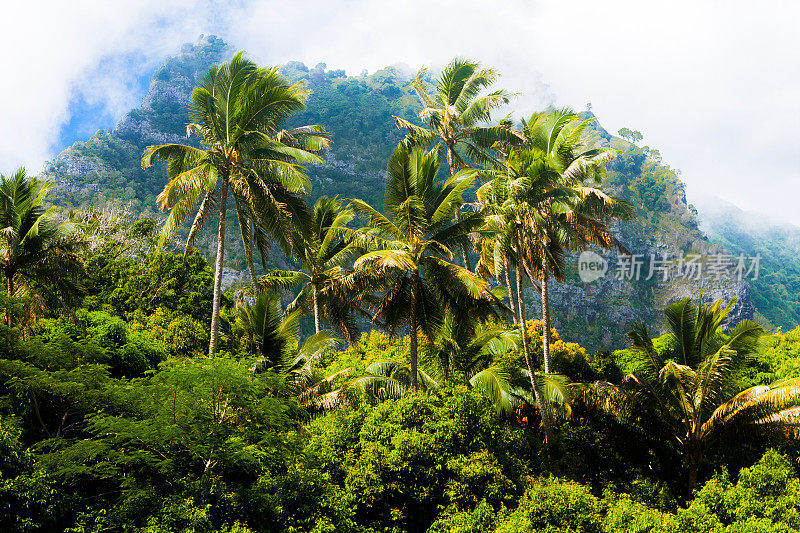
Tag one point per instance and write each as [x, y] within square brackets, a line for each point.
[357, 110]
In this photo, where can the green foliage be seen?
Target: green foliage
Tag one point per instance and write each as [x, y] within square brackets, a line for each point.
[136, 287]
[778, 357]
[554, 506]
[401, 461]
[113, 418]
[769, 490]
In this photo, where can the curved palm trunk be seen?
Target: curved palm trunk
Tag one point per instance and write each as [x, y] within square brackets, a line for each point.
[545, 315]
[543, 412]
[510, 289]
[413, 313]
[315, 296]
[451, 166]
[223, 208]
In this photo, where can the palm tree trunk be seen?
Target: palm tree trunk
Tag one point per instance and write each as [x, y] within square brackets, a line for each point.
[9, 294]
[413, 313]
[315, 296]
[510, 289]
[543, 412]
[451, 166]
[251, 266]
[223, 208]
[695, 458]
[545, 315]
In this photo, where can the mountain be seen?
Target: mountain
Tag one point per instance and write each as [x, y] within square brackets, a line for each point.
[357, 110]
[776, 291]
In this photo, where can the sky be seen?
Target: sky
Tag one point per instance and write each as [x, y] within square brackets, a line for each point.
[714, 85]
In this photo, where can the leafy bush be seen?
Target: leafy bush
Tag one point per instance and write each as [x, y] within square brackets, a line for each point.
[401, 461]
[768, 490]
[551, 505]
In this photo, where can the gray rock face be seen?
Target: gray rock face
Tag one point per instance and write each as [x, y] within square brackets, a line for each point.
[74, 164]
[131, 126]
[600, 313]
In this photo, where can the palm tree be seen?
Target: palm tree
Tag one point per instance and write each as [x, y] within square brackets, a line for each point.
[496, 250]
[557, 139]
[412, 246]
[466, 350]
[323, 252]
[272, 336]
[38, 255]
[238, 110]
[457, 114]
[509, 200]
[691, 393]
[548, 175]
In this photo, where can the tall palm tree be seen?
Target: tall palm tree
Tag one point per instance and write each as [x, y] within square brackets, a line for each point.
[457, 114]
[509, 199]
[38, 255]
[690, 394]
[412, 246]
[323, 252]
[496, 251]
[553, 173]
[238, 110]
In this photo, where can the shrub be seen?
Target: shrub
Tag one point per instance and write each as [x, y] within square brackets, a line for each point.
[551, 505]
[769, 489]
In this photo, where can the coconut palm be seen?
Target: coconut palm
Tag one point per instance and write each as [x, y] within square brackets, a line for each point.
[238, 111]
[496, 251]
[509, 200]
[456, 114]
[412, 247]
[323, 252]
[38, 255]
[555, 149]
[690, 393]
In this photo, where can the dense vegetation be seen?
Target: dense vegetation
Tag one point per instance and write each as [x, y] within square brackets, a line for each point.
[775, 291]
[445, 409]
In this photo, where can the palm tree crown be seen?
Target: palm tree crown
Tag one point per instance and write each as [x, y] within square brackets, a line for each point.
[690, 393]
[324, 252]
[37, 254]
[457, 115]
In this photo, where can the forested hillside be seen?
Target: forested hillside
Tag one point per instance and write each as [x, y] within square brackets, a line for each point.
[775, 292]
[358, 110]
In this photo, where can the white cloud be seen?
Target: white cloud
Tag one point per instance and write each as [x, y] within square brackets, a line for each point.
[714, 85]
